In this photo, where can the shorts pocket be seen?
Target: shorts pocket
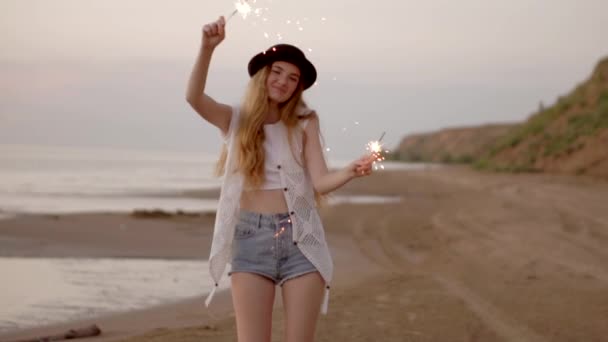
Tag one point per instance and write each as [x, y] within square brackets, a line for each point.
[244, 230]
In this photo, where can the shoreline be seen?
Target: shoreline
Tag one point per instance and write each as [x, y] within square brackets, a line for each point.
[64, 236]
[70, 200]
[114, 324]
[461, 250]
[77, 235]
[126, 323]
[106, 235]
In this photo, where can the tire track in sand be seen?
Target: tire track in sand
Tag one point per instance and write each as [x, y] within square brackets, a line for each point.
[374, 238]
[504, 325]
[500, 323]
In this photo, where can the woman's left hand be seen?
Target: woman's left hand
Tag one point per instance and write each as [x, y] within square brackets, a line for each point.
[361, 167]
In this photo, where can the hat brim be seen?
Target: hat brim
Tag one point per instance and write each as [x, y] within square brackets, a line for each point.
[308, 73]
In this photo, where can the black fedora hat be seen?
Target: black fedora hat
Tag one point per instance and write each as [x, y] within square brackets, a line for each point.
[285, 53]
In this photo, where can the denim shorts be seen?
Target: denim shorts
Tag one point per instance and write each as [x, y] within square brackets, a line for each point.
[263, 244]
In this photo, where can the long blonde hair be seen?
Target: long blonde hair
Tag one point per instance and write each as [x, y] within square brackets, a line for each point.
[250, 135]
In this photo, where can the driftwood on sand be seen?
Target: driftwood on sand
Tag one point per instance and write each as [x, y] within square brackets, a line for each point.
[90, 331]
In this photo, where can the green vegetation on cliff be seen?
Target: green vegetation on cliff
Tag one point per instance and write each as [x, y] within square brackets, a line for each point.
[554, 135]
[570, 136]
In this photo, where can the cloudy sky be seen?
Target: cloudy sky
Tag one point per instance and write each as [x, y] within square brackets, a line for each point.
[113, 73]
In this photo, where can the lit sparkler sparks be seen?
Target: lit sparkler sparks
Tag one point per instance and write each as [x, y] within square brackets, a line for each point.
[261, 18]
[375, 147]
[280, 232]
[243, 8]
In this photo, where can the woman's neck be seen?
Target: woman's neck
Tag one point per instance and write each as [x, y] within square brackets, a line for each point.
[274, 114]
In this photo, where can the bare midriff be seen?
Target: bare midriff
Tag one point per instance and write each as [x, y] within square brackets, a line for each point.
[264, 201]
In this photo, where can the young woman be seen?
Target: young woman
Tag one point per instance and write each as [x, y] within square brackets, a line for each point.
[267, 225]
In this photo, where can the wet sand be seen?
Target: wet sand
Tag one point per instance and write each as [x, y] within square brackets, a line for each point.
[465, 256]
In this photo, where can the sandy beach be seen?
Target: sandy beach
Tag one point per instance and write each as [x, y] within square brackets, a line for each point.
[464, 256]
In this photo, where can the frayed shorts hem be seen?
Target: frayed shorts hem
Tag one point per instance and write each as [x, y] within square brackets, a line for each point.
[265, 275]
[293, 276]
[273, 279]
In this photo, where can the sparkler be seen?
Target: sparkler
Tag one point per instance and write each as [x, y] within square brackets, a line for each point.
[255, 8]
[259, 13]
[242, 7]
[382, 136]
[375, 147]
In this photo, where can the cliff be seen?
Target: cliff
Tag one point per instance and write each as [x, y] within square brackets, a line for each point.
[571, 136]
[452, 145]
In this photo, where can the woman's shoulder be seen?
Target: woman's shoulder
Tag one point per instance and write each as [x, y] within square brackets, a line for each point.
[234, 122]
[303, 110]
[305, 115]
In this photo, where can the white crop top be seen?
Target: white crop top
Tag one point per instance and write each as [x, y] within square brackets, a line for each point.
[272, 144]
[271, 148]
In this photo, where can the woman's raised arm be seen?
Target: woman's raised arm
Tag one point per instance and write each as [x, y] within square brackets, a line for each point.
[218, 114]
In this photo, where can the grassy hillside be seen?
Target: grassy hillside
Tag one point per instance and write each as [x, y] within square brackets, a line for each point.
[569, 137]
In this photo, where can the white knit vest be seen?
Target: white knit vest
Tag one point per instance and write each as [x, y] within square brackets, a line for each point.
[308, 232]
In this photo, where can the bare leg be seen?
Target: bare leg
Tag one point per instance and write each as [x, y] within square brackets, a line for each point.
[302, 297]
[252, 297]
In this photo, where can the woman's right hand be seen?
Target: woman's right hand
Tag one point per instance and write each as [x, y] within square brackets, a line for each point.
[214, 33]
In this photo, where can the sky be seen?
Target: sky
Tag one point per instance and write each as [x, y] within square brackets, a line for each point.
[114, 73]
